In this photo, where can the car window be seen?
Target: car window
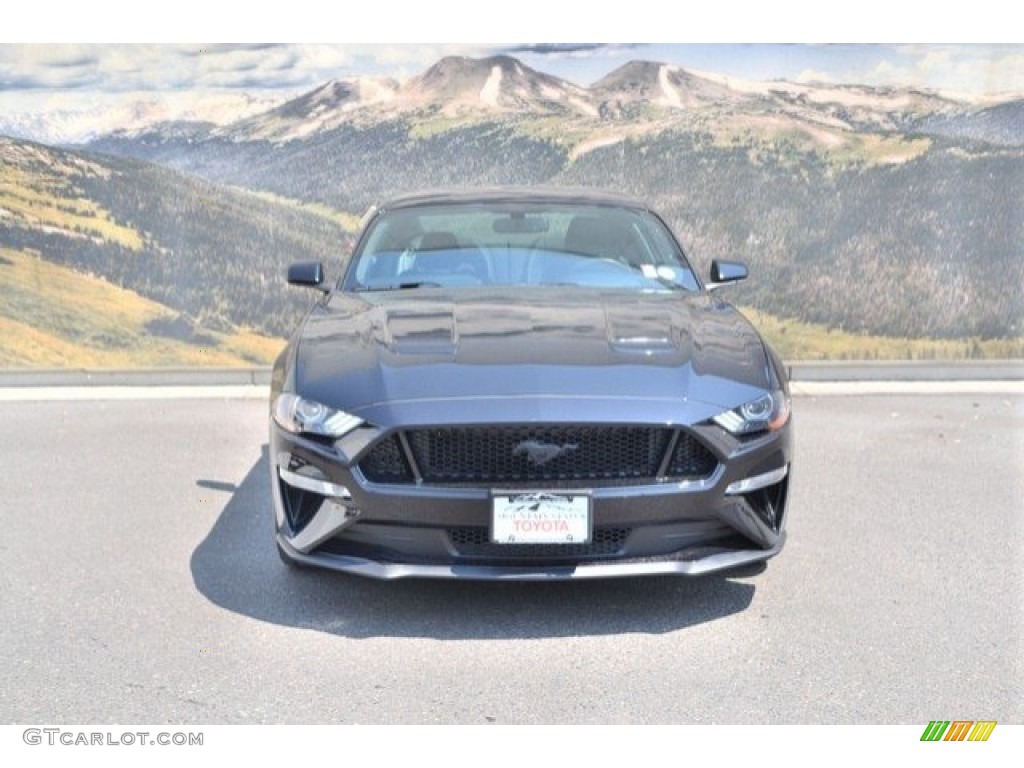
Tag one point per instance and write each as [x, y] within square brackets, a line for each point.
[519, 244]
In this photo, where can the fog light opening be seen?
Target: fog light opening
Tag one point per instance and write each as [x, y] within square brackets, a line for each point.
[300, 506]
[769, 504]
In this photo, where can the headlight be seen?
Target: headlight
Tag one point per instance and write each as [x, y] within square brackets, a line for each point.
[768, 412]
[298, 415]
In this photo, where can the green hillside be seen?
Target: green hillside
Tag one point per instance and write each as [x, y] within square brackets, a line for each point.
[52, 316]
[797, 340]
[200, 266]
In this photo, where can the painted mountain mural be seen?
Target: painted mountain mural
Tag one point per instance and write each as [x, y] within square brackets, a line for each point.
[875, 221]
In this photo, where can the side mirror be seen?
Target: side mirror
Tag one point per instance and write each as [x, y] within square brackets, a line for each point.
[307, 273]
[725, 272]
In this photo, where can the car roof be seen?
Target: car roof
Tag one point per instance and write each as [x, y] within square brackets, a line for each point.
[539, 194]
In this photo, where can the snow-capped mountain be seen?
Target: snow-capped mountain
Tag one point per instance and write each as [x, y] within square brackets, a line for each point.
[848, 105]
[635, 98]
[455, 85]
[496, 84]
[663, 85]
[642, 85]
[320, 109]
[78, 126]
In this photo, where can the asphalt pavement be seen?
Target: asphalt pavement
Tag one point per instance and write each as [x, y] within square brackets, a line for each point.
[140, 585]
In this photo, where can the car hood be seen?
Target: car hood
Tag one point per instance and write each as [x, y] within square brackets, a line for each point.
[432, 356]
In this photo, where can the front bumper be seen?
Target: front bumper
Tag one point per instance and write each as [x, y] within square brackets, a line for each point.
[328, 515]
[679, 564]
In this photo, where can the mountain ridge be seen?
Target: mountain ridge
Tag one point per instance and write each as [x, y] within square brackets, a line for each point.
[459, 86]
[881, 211]
[463, 86]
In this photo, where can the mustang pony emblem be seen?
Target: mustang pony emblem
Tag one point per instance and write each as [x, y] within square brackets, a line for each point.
[540, 453]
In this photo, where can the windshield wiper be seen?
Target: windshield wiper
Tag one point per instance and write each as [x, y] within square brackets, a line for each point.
[401, 286]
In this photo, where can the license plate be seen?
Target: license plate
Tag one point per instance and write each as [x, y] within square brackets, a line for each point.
[539, 517]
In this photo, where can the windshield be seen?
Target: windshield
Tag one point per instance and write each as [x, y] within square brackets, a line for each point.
[530, 244]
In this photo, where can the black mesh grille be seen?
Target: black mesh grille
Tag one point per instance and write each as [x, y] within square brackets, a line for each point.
[690, 459]
[386, 463]
[551, 455]
[537, 453]
[474, 541]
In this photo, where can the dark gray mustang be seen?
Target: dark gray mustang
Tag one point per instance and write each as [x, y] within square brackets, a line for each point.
[526, 384]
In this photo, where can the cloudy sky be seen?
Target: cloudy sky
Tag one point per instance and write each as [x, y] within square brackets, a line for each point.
[40, 76]
[31, 70]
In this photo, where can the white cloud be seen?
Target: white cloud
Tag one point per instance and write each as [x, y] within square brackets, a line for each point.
[814, 76]
[1005, 74]
[983, 69]
[888, 73]
[954, 69]
[938, 61]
